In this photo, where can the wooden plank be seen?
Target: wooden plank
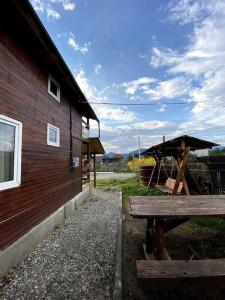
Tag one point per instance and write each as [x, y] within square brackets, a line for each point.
[173, 269]
[178, 207]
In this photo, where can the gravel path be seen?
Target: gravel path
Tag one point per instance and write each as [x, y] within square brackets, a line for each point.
[77, 261]
[110, 175]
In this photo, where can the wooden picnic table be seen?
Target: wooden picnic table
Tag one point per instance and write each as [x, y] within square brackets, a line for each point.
[158, 208]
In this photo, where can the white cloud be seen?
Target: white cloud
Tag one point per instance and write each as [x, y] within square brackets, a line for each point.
[52, 14]
[97, 68]
[147, 125]
[68, 5]
[169, 89]
[38, 5]
[142, 83]
[164, 57]
[162, 108]
[48, 7]
[202, 61]
[104, 112]
[72, 42]
[186, 11]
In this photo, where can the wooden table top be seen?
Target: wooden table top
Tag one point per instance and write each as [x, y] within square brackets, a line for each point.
[177, 207]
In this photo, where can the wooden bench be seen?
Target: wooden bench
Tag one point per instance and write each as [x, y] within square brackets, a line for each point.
[174, 269]
[169, 186]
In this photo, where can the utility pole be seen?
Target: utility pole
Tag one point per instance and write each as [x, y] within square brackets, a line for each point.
[139, 148]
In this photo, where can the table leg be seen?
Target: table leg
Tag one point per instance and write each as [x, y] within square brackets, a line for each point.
[149, 236]
[159, 239]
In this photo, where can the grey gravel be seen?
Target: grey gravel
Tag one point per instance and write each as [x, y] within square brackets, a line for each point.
[77, 261]
[111, 175]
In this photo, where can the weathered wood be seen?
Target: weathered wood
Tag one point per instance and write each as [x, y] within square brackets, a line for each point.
[185, 185]
[194, 180]
[177, 207]
[181, 170]
[164, 269]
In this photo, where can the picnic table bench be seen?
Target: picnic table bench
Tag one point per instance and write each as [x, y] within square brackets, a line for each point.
[158, 208]
[167, 269]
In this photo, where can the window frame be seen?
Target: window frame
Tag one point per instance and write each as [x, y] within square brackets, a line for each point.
[51, 78]
[17, 153]
[50, 143]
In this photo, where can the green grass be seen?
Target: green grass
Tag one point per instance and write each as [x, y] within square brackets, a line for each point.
[209, 222]
[129, 187]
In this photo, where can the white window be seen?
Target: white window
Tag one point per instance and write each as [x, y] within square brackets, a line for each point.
[53, 88]
[53, 136]
[10, 152]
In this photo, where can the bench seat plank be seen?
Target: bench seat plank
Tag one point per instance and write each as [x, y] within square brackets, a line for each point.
[173, 269]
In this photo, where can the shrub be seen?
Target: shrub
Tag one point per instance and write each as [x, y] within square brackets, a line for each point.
[135, 163]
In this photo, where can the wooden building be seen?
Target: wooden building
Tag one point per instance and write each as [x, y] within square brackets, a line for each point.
[42, 113]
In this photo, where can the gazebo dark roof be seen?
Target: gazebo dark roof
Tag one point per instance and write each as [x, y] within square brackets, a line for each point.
[172, 147]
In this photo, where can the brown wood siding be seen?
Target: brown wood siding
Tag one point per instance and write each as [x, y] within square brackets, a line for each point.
[47, 181]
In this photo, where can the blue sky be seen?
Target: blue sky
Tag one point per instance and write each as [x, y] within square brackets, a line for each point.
[170, 54]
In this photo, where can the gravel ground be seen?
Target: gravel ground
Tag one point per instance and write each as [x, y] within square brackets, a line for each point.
[77, 261]
[110, 175]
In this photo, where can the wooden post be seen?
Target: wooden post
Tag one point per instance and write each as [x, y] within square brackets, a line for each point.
[159, 239]
[186, 189]
[94, 170]
[88, 163]
[181, 171]
[149, 236]
[194, 180]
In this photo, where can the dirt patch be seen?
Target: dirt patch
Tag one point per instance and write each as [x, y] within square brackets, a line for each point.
[185, 242]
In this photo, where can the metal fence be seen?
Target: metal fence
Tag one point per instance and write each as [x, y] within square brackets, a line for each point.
[210, 181]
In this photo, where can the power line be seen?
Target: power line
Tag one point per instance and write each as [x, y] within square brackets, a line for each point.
[153, 104]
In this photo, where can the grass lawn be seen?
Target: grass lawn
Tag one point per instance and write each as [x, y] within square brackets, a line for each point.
[129, 187]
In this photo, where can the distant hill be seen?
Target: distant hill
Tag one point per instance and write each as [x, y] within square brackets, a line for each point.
[126, 155]
[135, 152]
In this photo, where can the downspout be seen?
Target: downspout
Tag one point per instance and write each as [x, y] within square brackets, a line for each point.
[71, 140]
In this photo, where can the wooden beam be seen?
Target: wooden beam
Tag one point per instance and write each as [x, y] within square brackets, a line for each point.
[181, 171]
[94, 170]
[186, 188]
[159, 239]
[88, 162]
[194, 180]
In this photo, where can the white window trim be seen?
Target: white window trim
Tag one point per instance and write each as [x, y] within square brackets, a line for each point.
[57, 144]
[17, 153]
[50, 78]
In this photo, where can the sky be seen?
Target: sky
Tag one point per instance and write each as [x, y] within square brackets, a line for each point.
[169, 55]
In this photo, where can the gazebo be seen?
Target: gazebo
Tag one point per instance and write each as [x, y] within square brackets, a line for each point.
[179, 148]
